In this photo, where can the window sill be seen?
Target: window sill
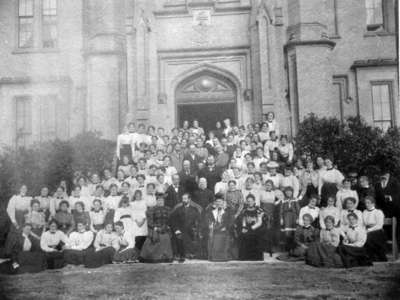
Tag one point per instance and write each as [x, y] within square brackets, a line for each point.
[378, 33]
[34, 50]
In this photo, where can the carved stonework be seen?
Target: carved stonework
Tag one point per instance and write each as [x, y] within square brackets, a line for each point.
[248, 95]
[162, 98]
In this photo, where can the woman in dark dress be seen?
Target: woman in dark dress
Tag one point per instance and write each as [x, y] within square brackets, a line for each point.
[24, 251]
[80, 215]
[373, 220]
[64, 219]
[219, 221]
[157, 247]
[251, 229]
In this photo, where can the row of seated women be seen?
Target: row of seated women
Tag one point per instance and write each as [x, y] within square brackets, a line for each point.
[358, 242]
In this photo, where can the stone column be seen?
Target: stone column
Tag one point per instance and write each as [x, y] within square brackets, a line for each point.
[308, 50]
[105, 66]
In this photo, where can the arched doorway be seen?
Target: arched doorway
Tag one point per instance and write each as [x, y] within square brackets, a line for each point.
[206, 97]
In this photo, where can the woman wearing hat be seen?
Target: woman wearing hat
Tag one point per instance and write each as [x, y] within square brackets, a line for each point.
[219, 222]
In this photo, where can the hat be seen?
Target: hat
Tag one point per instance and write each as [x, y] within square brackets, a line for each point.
[272, 165]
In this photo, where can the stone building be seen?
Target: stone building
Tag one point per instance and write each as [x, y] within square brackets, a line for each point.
[67, 66]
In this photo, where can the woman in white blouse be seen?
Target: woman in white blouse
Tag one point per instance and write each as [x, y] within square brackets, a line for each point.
[18, 206]
[124, 143]
[329, 181]
[376, 240]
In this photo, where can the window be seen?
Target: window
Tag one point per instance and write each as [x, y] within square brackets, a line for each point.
[25, 23]
[37, 24]
[374, 14]
[48, 117]
[23, 120]
[382, 105]
[49, 23]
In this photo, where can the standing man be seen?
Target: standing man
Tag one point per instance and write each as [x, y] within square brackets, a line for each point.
[174, 192]
[388, 198]
[211, 172]
[187, 178]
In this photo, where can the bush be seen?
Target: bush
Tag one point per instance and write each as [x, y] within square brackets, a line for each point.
[353, 145]
[46, 164]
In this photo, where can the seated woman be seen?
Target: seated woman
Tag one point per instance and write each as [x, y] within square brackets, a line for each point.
[219, 222]
[251, 235]
[97, 216]
[52, 243]
[376, 239]
[78, 245]
[323, 253]
[312, 210]
[305, 234]
[349, 204]
[24, 251]
[105, 246]
[111, 203]
[80, 215]
[126, 245]
[64, 218]
[352, 250]
[157, 247]
[36, 218]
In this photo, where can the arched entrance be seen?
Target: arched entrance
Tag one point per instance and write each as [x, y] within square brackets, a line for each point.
[206, 97]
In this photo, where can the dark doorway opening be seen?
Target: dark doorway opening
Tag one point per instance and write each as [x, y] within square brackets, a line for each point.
[207, 114]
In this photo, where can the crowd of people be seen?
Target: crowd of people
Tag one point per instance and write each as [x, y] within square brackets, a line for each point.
[237, 193]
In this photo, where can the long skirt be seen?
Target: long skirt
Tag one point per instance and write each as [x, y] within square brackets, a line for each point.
[29, 262]
[76, 257]
[354, 256]
[157, 249]
[125, 255]
[218, 246]
[375, 245]
[96, 259]
[55, 260]
[327, 190]
[250, 246]
[323, 255]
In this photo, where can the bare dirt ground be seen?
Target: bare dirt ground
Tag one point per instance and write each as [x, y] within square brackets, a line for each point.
[233, 280]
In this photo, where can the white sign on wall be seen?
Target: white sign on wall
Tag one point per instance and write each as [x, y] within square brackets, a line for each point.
[201, 17]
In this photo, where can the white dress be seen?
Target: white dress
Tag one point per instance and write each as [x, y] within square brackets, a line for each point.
[138, 209]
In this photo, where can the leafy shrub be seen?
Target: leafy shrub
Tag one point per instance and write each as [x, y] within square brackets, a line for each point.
[46, 164]
[353, 145]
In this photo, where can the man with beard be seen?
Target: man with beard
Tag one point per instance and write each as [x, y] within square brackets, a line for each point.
[185, 223]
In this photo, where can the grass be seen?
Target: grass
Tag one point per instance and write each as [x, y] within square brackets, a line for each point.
[203, 280]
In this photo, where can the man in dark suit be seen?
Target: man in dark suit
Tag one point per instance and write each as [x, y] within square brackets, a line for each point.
[211, 173]
[173, 194]
[193, 158]
[185, 223]
[388, 195]
[388, 199]
[187, 178]
[203, 196]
